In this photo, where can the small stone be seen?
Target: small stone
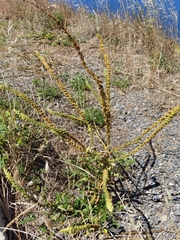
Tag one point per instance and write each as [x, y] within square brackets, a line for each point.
[136, 125]
[171, 184]
[156, 198]
[121, 117]
[129, 121]
[156, 221]
[135, 108]
[163, 218]
[156, 171]
[161, 170]
[175, 219]
[177, 212]
[176, 197]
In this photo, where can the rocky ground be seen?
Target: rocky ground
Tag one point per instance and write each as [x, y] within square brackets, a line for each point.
[152, 188]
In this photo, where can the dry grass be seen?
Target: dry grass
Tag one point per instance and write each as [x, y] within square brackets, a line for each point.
[11, 9]
[139, 53]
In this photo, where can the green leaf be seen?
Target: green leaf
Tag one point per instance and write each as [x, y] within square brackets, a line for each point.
[27, 219]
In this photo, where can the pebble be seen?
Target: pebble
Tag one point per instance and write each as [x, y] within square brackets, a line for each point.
[177, 212]
[122, 117]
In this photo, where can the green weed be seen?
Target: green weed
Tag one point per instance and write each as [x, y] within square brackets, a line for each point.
[3, 130]
[64, 77]
[46, 91]
[49, 36]
[3, 38]
[17, 24]
[43, 228]
[50, 24]
[94, 116]
[59, 16]
[122, 83]
[64, 41]
[51, 92]
[169, 66]
[83, 205]
[79, 82]
[30, 218]
[80, 98]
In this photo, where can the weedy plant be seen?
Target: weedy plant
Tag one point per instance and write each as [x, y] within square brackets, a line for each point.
[3, 130]
[86, 198]
[45, 90]
[122, 83]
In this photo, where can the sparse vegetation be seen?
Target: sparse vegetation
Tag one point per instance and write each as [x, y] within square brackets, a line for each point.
[94, 116]
[122, 83]
[79, 82]
[45, 90]
[56, 142]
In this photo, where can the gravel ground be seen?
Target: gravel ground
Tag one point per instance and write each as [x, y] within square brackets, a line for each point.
[152, 187]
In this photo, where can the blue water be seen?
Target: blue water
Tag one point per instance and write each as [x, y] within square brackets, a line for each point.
[168, 14]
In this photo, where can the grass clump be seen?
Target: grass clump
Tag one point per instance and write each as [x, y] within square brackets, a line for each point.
[2, 39]
[94, 116]
[79, 82]
[45, 90]
[3, 130]
[122, 83]
[50, 24]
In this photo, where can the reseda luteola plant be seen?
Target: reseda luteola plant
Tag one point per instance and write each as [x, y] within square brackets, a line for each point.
[105, 160]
